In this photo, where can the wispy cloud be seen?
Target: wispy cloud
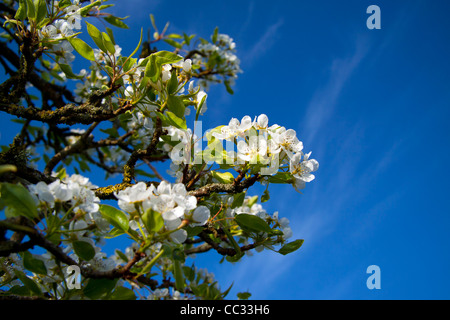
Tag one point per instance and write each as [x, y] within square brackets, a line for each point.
[263, 44]
[325, 99]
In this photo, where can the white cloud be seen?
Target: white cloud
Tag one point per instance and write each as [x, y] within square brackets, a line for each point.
[263, 44]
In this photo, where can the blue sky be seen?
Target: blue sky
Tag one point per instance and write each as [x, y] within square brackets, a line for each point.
[372, 106]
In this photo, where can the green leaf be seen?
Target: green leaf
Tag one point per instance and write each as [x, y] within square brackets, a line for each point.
[121, 255]
[21, 12]
[244, 295]
[84, 250]
[122, 293]
[99, 288]
[82, 48]
[152, 70]
[291, 246]
[252, 201]
[19, 199]
[251, 223]
[172, 85]
[238, 200]
[31, 10]
[115, 217]
[266, 196]
[41, 10]
[67, 69]
[176, 105]
[223, 177]
[178, 275]
[215, 34]
[231, 239]
[173, 43]
[108, 43]
[64, 4]
[166, 57]
[116, 21]
[138, 46]
[33, 264]
[111, 35]
[193, 231]
[29, 283]
[172, 120]
[85, 10]
[96, 35]
[153, 220]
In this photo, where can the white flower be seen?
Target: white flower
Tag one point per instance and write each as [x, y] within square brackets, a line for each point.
[301, 169]
[200, 102]
[287, 140]
[49, 32]
[60, 191]
[166, 74]
[255, 151]
[261, 122]
[186, 65]
[200, 216]
[234, 128]
[73, 17]
[132, 195]
[43, 192]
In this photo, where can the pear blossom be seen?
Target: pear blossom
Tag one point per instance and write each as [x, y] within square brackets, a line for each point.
[234, 129]
[165, 73]
[255, 151]
[261, 123]
[288, 141]
[200, 216]
[133, 195]
[301, 169]
[186, 65]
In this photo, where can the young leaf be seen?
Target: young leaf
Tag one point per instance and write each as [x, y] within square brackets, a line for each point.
[31, 10]
[108, 43]
[152, 70]
[82, 48]
[41, 10]
[215, 34]
[67, 69]
[21, 12]
[96, 35]
[178, 275]
[19, 199]
[238, 200]
[291, 246]
[30, 284]
[85, 10]
[84, 250]
[153, 220]
[172, 85]
[223, 177]
[115, 217]
[33, 264]
[176, 121]
[176, 105]
[115, 21]
[166, 57]
[99, 288]
[123, 293]
[251, 223]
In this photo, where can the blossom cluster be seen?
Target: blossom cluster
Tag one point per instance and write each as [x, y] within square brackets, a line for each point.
[259, 143]
[170, 200]
[221, 54]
